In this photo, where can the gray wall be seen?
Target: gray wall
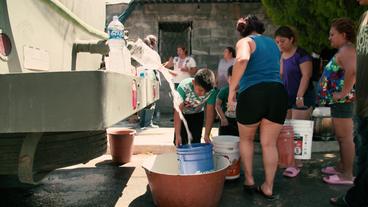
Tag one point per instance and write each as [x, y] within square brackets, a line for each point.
[114, 9]
[213, 29]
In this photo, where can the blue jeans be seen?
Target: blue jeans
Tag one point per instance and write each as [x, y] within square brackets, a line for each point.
[146, 116]
[357, 195]
[361, 144]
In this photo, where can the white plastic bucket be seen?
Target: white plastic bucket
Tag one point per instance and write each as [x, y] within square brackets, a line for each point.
[228, 146]
[303, 134]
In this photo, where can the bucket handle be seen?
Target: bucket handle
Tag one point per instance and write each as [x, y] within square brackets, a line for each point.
[224, 156]
[229, 148]
[228, 159]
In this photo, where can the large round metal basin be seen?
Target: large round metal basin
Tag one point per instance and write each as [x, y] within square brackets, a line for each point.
[169, 188]
[323, 126]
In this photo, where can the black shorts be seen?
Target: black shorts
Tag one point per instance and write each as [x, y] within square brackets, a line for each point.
[231, 129]
[195, 125]
[342, 110]
[267, 100]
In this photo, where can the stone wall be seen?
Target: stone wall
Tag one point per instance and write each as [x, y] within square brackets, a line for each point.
[213, 29]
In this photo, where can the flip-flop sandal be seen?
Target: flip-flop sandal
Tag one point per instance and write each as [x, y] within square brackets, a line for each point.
[329, 171]
[268, 197]
[291, 172]
[250, 189]
[338, 201]
[336, 180]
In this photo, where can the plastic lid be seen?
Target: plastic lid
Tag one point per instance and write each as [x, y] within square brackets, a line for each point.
[114, 18]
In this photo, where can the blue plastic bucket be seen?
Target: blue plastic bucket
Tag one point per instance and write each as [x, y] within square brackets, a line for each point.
[195, 158]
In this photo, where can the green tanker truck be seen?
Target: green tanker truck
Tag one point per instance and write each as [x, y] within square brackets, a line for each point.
[55, 102]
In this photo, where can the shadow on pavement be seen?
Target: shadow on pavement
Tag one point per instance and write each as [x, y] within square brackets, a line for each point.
[303, 191]
[143, 200]
[97, 186]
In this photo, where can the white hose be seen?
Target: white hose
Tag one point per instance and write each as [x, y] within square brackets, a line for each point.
[67, 13]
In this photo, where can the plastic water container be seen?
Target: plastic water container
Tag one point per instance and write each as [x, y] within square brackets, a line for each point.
[231, 112]
[115, 29]
[119, 56]
[285, 146]
[143, 85]
[195, 158]
[228, 146]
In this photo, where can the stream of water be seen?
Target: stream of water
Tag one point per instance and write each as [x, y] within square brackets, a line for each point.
[150, 59]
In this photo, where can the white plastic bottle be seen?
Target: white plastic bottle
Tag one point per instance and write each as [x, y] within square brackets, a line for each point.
[116, 44]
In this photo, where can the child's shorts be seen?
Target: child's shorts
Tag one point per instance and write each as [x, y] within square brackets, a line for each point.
[231, 129]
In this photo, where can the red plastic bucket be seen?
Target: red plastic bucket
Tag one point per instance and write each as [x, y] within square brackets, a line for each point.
[121, 144]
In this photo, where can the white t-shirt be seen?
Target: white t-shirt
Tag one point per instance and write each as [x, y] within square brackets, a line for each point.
[223, 66]
[179, 63]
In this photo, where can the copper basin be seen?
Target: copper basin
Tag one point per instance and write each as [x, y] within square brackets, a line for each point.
[169, 188]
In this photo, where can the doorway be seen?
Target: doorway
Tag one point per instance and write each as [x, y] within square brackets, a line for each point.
[172, 34]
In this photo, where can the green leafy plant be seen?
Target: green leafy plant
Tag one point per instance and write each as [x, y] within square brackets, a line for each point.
[311, 18]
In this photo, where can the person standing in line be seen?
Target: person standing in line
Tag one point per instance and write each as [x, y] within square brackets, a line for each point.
[356, 196]
[224, 64]
[184, 66]
[262, 100]
[148, 113]
[335, 89]
[151, 41]
[296, 72]
[228, 125]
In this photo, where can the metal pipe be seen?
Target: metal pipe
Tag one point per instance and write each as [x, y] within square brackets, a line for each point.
[93, 47]
[65, 12]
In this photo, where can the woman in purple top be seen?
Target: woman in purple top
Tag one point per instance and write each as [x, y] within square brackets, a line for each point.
[296, 72]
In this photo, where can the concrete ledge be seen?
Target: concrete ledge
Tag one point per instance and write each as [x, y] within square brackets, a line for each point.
[154, 149]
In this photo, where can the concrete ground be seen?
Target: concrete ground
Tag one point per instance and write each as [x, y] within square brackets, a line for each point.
[102, 183]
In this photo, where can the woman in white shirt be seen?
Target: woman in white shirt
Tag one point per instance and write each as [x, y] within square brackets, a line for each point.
[184, 66]
[223, 66]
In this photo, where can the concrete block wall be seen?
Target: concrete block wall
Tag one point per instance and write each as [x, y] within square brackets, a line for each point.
[114, 9]
[213, 29]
